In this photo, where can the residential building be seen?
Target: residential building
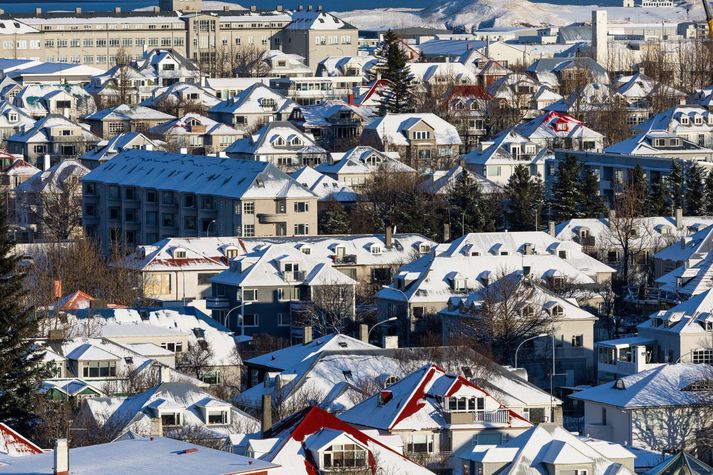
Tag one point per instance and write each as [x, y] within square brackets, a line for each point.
[346, 65]
[124, 118]
[660, 143]
[327, 188]
[433, 75]
[281, 144]
[275, 287]
[422, 140]
[355, 166]
[189, 277]
[468, 107]
[691, 123]
[316, 89]
[226, 88]
[131, 454]
[438, 415]
[108, 149]
[13, 173]
[54, 136]
[284, 65]
[441, 182]
[123, 83]
[125, 197]
[13, 119]
[180, 98]
[571, 326]
[168, 66]
[313, 441]
[496, 160]
[333, 124]
[196, 133]
[316, 35]
[52, 187]
[252, 108]
[653, 409]
[560, 74]
[39, 100]
[555, 130]
[639, 91]
[695, 247]
[549, 448]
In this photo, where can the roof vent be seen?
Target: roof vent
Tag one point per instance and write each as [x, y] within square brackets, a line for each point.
[385, 396]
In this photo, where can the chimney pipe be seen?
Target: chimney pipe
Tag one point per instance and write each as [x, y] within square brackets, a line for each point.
[679, 218]
[156, 427]
[612, 218]
[308, 334]
[57, 288]
[61, 457]
[446, 232]
[164, 374]
[117, 9]
[46, 162]
[388, 238]
[38, 11]
[279, 8]
[77, 10]
[364, 333]
[266, 421]
[350, 99]
[551, 228]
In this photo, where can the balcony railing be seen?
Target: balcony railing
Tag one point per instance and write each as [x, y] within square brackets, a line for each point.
[499, 416]
[217, 303]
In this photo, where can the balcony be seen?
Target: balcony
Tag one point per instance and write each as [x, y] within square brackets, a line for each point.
[499, 416]
[217, 303]
[347, 259]
[271, 218]
[293, 276]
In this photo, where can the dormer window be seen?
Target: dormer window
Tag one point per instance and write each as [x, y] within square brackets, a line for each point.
[306, 250]
[475, 253]
[685, 120]
[375, 249]
[279, 142]
[424, 248]
[171, 418]
[557, 311]
[698, 120]
[619, 384]
[528, 311]
[179, 253]
[421, 135]
[13, 117]
[231, 252]
[217, 417]
[344, 457]
[296, 141]
[459, 284]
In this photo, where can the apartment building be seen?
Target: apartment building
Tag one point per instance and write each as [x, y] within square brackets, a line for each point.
[140, 196]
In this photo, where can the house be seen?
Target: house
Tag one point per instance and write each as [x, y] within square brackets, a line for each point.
[13, 119]
[108, 149]
[332, 123]
[172, 406]
[691, 278]
[516, 90]
[556, 130]
[181, 98]
[433, 75]
[441, 182]
[560, 73]
[358, 164]
[438, 415]
[122, 83]
[422, 140]
[13, 173]
[640, 91]
[346, 66]
[678, 462]
[139, 456]
[657, 409]
[312, 90]
[166, 67]
[660, 143]
[52, 135]
[188, 276]
[51, 73]
[313, 441]
[53, 187]
[468, 107]
[226, 88]
[696, 246]
[39, 100]
[280, 144]
[315, 35]
[691, 123]
[549, 448]
[276, 287]
[196, 133]
[282, 65]
[497, 159]
[252, 108]
[571, 326]
[107, 123]
[222, 197]
[328, 189]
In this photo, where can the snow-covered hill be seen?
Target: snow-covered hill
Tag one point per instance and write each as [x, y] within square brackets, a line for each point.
[500, 13]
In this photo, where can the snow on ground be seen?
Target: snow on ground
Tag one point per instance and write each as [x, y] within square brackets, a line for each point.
[501, 13]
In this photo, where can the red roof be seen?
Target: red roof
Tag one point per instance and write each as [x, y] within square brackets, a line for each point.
[12, 443]
[469, 91]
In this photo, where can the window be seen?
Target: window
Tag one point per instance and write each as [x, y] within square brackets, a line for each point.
[248, 230]
[176, 347]
[171, 419]
[251, 320]
[301, 229]
[420, 444]
[116, 127]
[249, 295]
[249, 207]
[167, 197]
[99, 369]
[344, 456]
[421, 135]
[168, 220]
[150, 196]
[207, 202]
[301, 207]
[217, 417]
[283, 320]
[702, 356]
[151, 218]
[189, 222]
[578, 341]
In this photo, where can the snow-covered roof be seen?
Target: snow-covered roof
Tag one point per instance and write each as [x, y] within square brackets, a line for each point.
[49, 181]
[181, 93]
[13, 444]
[502, 151]
[691, 278]
[535, 450]
[186, 125]
[441, 72]
[697, 245]
[198, 174]
[127, 112]
[681, 119]
[19, 167]
[340, 65]
[256, 99]
[141, 456]
[689, 317]
[14, 117]
[319, 115]
[553, 125]
[276, 137]
[639, 86]
[441, 182]
[393, 128]
[316, 20]
[658, 142]
[363, 159]
[107, 150]
[41, 131]
[680, 384]
[325, 187]
[416, 403]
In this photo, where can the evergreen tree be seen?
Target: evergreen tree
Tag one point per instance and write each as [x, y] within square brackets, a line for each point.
[465, 205]
[393, 67]
[591, 204]
[524, 199]
[709, 193]
[565, 192]
[333, 219]
[21, 367]
[695, 191]
[639, 188]
[657, 199]
[675, 182]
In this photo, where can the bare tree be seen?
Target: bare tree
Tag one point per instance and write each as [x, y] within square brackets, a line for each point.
[60, 210]
[249, 62]
[331, 309]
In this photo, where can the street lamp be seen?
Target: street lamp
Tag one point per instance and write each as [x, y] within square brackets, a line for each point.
[525, 340]
[241, 315]
[390, 319]
[207, 229]
[408, 314]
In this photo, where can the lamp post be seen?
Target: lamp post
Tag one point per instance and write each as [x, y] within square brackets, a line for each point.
[207, 229]
[390, 319]
[525, 340]
[241, 314]
[408, 314]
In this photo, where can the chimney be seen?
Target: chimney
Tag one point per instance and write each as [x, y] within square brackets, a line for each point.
[253, 8]
[300, 8]
[309, 8]
[148, 147]
[38, 11]
[612, 218]
[117, 9]
[385, 396]
[319, 8]
[57, 288]
[46, 165]
[164, 374]
[184, 151]
[388, 238]
[77, 10]
[679, 218]
[266, 421]
[156, 9]
[350, 99]
[156, 427]
[551, 228]
[308, 334]
[446, 232]
[226, 8]
[279, 8]
[61, 457]
[364, 333]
